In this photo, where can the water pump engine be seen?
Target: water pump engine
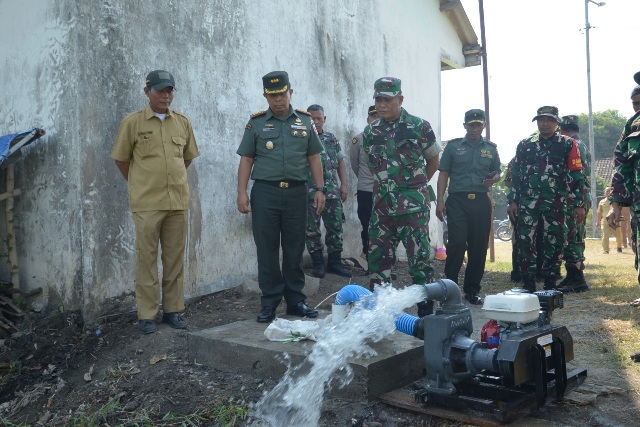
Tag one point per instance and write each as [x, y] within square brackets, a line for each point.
[518, 365]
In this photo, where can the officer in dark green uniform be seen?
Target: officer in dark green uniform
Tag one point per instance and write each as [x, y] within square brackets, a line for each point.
[278, 148]
[470, 166]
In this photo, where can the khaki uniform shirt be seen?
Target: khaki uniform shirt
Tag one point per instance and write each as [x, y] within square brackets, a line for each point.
[280, 146]
[156, 151]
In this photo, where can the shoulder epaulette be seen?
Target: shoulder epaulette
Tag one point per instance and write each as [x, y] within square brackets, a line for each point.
[179, 113]
[258, 114]
[491, 143]
[303, 112]
[454, 140]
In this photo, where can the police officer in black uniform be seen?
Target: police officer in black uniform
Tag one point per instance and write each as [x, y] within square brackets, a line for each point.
[278, 148]
[470, 166]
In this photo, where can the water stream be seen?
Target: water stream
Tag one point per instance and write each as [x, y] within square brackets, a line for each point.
[297, 399]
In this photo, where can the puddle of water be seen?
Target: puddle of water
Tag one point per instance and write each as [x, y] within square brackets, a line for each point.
[297, 399]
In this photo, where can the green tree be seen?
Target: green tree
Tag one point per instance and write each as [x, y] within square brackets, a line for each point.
[607, 127]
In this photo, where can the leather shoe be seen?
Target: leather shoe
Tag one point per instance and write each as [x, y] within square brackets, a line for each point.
[474, 299]
[302, 310]
[146, 326]
[175, 320]
[267, 314]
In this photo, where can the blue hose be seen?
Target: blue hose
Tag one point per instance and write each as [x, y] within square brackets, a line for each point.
[406, 323]
[351, 293]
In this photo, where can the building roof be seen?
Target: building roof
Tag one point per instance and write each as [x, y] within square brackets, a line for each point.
[460, 21]
[604, 168]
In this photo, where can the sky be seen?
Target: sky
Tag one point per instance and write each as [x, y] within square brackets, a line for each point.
[536, 55]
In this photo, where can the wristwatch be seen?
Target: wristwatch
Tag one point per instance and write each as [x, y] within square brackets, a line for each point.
[323, 189]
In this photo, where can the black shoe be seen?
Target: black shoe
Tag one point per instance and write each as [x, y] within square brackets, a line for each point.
[267, 314]
[425, 308]
[394, 276]
[175, 320]
[474, 299]
[620, 250]
[302, 310]
[147, 326]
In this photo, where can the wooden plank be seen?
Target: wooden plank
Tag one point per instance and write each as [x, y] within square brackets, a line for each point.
[405, 399]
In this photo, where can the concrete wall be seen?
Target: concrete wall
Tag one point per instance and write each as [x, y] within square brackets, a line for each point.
[76, 68]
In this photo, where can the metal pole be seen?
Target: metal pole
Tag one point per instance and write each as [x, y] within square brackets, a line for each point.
[485, 74]
[594, 199]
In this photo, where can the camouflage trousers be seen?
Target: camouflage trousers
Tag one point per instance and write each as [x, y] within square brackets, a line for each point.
[332, 218]
[553, 237]
[573, 251]
[386, 231]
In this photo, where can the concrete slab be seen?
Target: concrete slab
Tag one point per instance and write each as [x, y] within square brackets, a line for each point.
[242, 347]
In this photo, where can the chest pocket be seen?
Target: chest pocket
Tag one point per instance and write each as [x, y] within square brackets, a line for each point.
[557, 156]
[147, 147]
[268, 141]
[179, 144]
[408, 146]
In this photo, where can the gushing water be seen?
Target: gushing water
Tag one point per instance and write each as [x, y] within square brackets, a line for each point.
[297, 399]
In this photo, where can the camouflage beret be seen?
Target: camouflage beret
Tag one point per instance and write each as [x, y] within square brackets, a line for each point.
[547, 110]
[387, 87]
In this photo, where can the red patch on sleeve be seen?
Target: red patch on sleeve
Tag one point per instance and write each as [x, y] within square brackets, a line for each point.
[574, 162]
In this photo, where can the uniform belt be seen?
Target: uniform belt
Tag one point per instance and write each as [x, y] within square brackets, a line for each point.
[282, 184]
[470, 196]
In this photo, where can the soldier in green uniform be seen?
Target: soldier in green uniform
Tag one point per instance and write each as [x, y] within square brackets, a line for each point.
[469, 167]
[277, 150]
[626, 181]
[573, 252]
[153, 150]
[403, 156]
[546, 178]
[332, 159]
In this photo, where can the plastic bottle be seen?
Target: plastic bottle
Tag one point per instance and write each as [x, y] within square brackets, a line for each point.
[490, 334]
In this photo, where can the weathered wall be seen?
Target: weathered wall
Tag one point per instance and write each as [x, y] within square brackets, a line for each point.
[76, 68]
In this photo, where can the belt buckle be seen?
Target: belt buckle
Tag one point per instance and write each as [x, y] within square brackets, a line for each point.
[284, 184]
[471, 196]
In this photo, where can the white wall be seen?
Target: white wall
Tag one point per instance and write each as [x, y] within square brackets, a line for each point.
[76, 68]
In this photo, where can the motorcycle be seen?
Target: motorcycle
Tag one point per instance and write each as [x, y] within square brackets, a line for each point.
[503, 230]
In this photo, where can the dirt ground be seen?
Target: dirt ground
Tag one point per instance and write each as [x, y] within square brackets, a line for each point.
[60, 372]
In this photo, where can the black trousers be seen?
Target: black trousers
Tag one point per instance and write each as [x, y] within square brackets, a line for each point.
[279, 216]
[469, 223]
[365, 205]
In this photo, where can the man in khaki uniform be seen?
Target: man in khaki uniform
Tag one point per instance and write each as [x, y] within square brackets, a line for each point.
[603, 209]
[153, 150]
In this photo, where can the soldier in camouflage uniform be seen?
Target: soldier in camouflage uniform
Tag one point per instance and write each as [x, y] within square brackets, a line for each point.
[573, 252]
[332, 159]
[546, 177]
[403, 156]
[626, 179]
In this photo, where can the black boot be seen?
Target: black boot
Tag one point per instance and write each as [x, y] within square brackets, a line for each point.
[373, 283]
[334, 265]
[550, 282]
[571, 273]
[578, 284]
[318, 264]
[529, 283]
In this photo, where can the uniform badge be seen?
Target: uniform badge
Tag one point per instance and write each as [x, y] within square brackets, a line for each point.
[248, 126]
[298, 121]
[354, 140]
[295, 133]
[304, 133]
[269, 145]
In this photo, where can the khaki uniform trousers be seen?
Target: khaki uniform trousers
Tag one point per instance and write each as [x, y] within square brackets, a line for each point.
[606, 233]
[169, 228]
